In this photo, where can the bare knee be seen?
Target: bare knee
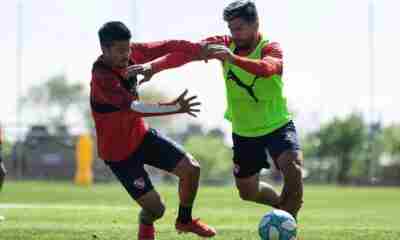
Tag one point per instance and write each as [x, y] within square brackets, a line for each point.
[290, 161]
[150, 215]
[194, 166]
[153, 207]
[246, 194]
[188, 168]
[159, 212]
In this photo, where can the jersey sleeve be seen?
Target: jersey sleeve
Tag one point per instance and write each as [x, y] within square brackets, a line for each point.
[146, 52]
[270, 64]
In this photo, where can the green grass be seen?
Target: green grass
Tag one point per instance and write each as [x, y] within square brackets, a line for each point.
[55, 211]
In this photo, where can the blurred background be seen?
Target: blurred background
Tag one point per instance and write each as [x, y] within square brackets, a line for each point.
[340, 73]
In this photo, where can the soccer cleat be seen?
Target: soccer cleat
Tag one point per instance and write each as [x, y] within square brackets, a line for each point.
[146, 232]
[196, 227]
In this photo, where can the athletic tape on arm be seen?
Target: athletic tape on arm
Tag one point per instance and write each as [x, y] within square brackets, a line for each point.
[141, 107]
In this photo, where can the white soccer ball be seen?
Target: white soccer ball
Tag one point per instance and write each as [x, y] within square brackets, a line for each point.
[278, 225]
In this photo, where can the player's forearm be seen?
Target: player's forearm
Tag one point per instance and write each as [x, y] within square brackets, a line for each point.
[171, 60]
[153, 110]
[154, 50]
[183, 46]
[265, 67]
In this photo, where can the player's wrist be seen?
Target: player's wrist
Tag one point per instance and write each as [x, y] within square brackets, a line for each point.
[171, 108]
[234, 58]
[147, 67]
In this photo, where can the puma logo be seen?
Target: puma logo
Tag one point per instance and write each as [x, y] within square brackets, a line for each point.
[249, 88]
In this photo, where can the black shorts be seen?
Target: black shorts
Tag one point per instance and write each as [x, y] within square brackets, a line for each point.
[157, 151]
[250, 153]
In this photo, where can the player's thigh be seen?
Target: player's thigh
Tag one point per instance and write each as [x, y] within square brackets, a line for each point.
[247, 186]
[283, 145]
[165, 154]
[132, 175]
[249, 156]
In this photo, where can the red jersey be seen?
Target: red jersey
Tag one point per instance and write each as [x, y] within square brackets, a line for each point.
[120, 130]
[269, 64]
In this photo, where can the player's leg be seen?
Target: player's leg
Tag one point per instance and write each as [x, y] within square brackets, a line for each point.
[188, 172]
[290, 163]
[134, 178]
[169, 156]
[249, 158]
[254, 190]
[153, 209]
[284, 148]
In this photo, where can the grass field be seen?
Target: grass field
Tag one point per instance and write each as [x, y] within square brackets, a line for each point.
[55, 211]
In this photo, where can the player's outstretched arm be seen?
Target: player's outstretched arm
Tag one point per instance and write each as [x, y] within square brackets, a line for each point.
[168, 61]
[159, 56]
[270, 64]
[180, 105]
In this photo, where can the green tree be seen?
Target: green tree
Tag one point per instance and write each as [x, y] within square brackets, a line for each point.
[343, 139]
[391, 138]
[213, 155]
[55, 97]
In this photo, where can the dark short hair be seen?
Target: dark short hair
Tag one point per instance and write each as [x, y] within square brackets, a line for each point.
[243, 9]
[113, 31]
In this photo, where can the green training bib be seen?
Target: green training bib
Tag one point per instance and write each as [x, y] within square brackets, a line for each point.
[256, 105]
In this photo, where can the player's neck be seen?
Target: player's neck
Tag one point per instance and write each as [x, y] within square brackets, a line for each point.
[250, 48]
[107, 61]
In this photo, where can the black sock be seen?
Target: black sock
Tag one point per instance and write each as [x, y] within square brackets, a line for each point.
[185, 214]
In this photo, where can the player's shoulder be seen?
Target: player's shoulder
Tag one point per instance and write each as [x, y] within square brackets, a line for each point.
[272, 45]
[273, 48]
[100, 69]
[101, 74]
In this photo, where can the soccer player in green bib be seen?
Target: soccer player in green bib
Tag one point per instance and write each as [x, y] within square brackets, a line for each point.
[256, 107]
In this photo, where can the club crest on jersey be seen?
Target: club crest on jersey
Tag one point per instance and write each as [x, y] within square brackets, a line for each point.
[236, 169]
[290, 136]
[139, 183]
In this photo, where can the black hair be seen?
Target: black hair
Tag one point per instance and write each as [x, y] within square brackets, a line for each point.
[243, 9]
[113, 31]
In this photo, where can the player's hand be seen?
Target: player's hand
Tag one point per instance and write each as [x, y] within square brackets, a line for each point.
[204, 52]
[220, 52]
[187, 105]
[144, 70]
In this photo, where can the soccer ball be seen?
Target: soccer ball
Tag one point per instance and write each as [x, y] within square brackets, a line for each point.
[278, 225]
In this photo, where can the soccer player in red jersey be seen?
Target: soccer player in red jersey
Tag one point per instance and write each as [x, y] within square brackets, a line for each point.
[126, 143]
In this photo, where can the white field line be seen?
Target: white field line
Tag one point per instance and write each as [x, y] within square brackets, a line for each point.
[60, 206]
